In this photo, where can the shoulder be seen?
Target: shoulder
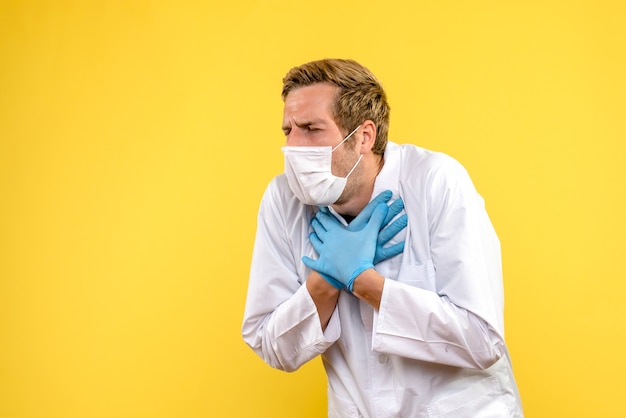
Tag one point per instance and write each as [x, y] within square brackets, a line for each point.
[279, 202]
[430, 167]
[278, 193]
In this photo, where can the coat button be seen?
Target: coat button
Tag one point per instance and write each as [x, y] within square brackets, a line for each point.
[383, 358]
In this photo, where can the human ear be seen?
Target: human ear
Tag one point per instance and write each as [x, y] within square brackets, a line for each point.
[368, 135]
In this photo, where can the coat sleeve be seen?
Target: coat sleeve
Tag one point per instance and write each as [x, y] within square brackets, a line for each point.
[280, 322]
[452, 314]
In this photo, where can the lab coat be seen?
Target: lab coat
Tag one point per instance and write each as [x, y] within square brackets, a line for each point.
[435, 347]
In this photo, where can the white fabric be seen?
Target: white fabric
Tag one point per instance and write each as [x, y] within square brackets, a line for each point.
[309, 173]
[435, 348]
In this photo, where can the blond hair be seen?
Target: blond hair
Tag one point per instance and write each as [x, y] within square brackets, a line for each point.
[361, 96]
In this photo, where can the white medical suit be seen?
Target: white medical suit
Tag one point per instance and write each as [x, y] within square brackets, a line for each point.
[435, 347]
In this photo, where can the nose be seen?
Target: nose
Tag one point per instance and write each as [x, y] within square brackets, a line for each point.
[293, 138]
[289, 140]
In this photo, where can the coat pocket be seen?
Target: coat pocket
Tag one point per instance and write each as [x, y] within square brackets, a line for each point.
[483, 399]
[341, 408]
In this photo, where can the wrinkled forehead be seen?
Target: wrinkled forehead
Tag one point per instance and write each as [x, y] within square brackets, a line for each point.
[319, 97]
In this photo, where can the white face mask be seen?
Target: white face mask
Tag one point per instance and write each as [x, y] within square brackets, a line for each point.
[309, 174]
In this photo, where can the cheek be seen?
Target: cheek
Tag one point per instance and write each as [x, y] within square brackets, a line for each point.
[338, 164]
[343, 162]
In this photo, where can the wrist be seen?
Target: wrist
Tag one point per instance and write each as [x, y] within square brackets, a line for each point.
[358, 272]
[321, 284]
[368, 286]
[333, 282]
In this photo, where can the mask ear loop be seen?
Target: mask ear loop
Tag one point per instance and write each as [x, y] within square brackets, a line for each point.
[355, 164]
[346, 138]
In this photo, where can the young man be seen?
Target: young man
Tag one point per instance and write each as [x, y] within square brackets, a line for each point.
[408, 316]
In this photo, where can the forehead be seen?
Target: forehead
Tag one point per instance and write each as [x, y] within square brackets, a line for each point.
[315, 100]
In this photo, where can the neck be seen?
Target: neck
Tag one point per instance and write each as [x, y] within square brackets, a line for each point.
[360, 192]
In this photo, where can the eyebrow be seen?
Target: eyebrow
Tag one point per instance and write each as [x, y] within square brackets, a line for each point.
[304, 124]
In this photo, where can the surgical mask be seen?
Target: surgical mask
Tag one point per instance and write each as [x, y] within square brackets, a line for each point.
[309, 173]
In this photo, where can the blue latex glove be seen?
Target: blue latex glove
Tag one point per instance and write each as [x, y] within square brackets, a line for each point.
[334, 283]
[387, 232]
[390, 231]
[344, 254]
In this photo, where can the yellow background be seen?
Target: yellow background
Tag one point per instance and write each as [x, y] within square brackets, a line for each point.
[137, 137]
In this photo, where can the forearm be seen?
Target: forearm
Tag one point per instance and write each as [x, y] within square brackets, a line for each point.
[289, 334]
[324, 296]
[420, 324]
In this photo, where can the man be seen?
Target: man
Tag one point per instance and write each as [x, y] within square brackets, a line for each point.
[408, 320]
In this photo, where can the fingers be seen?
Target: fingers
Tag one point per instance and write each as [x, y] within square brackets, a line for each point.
[317, 226]
[394, 209]
[326, 221]
[392, 229]
[316, 242]
[324, 209]
[378, 216]
[388, 252]
[361, 220]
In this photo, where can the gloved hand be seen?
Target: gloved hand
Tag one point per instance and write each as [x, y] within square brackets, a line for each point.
[343, 253]
[334, 283]
[387, 232]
